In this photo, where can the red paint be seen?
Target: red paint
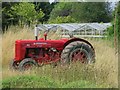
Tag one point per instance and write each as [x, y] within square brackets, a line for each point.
[43, 51]
[21, 47]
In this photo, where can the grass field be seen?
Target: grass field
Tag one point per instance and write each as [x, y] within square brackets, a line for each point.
[102, 74]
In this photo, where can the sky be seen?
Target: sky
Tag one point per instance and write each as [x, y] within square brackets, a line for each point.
[51, 1]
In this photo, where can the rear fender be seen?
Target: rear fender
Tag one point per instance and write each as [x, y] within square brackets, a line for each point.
[78, 39]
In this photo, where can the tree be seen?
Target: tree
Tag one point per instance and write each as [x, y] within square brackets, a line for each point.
[113, 32]
[118, 18]
[46, 8]
[61, 9]
[7, 19]
[91, 12]
[65, 19]
[83, 12]
[27, 13]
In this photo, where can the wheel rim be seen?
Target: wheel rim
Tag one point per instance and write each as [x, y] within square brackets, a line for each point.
[79, 55]
[28, 65]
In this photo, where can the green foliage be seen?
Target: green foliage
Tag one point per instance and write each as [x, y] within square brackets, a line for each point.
[118, 18]
[61, 9]
[7, 18]
[46, 8]
[115, 25]
[91, 12]
[110, 32]
[31, 12]
[65, 19]
[26, 12]
[83, 12]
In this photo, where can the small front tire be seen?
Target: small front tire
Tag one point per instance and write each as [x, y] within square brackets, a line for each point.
[13, 65]
[27, 63]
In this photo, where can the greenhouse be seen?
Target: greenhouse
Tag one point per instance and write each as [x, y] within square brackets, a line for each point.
[77, 28]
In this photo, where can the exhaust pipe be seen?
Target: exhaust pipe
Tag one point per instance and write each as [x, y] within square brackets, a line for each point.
[45, 35]
[36, 33]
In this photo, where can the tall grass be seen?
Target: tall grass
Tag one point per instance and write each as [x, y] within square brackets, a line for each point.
[0, 59]
[104, 73]
[17, 33]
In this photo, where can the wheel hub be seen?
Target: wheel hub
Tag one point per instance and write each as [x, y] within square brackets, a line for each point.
[79, 55]
[28, 66]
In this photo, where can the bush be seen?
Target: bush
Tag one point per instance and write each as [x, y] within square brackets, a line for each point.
[65, 19]
[110, 33]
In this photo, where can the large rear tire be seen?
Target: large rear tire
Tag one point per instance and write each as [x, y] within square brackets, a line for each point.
[27, 63]
[77, 51]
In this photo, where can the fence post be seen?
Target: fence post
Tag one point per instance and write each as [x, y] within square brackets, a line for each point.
[115, 36]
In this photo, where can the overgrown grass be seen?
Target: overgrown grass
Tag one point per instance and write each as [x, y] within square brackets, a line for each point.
[103, 73]
[17, 33]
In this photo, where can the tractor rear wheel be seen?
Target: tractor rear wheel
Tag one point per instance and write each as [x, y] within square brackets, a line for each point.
[27, 63]
[77, 51]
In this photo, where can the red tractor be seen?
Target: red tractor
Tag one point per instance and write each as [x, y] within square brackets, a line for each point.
[41, 51]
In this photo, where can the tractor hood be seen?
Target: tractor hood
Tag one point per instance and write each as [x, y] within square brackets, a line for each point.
[43, 43]
[22, 45]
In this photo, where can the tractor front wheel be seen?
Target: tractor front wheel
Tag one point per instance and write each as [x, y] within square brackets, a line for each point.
[14, 65]
[27, 63]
